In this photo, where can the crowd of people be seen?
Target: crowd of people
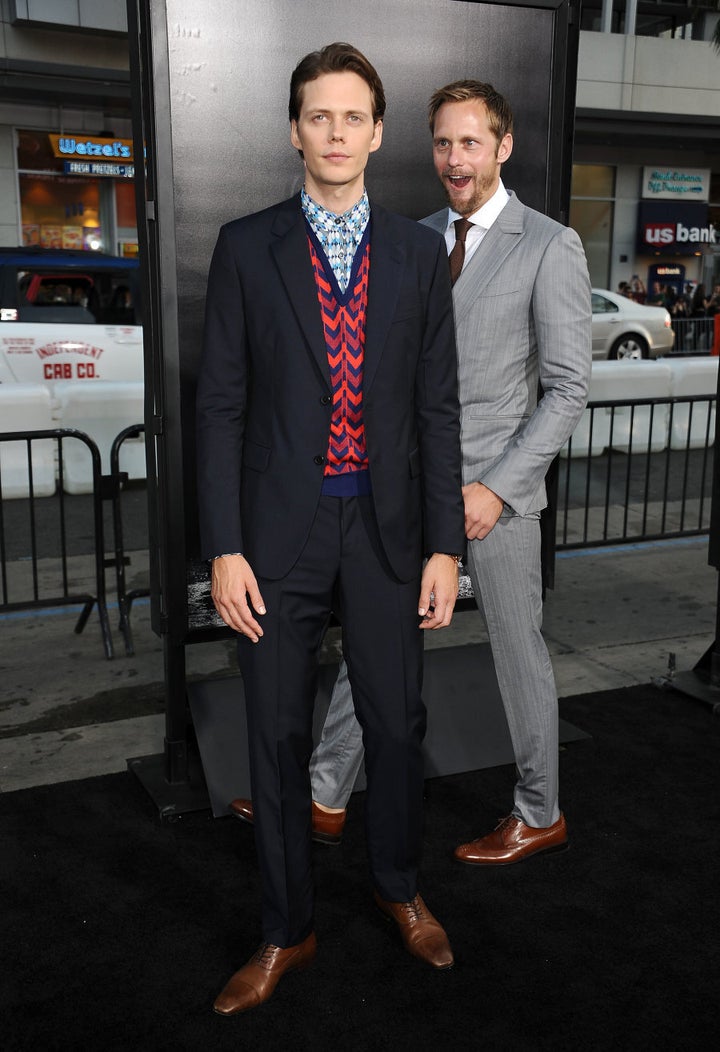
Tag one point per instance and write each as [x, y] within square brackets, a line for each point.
[689, 301]
[634, 289]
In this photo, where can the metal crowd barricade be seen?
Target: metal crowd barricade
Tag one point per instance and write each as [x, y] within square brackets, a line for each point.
[642, 470]
[636, 490]
[694, 335]
[118, 479]
[13, 576]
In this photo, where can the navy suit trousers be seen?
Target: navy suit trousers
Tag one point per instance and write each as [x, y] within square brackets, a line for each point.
[341, 569]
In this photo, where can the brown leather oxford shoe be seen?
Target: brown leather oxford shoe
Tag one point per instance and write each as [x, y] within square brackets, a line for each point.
[512, 841]
[255, 982]
[327, 828]
[423, 936]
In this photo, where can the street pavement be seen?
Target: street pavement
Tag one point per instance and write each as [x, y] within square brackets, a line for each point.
[615, 616]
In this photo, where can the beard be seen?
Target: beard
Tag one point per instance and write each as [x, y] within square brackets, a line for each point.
[481, 188]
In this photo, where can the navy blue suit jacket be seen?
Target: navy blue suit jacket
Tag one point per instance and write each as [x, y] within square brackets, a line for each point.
[264, 398]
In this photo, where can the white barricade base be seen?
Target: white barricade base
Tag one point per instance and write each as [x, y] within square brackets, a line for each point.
[619, 381]
[631, 426]
[629, 379]
[693, 376]
[102, 410]
[26, 407]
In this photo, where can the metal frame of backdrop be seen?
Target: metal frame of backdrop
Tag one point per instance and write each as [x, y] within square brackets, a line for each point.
[210, 118]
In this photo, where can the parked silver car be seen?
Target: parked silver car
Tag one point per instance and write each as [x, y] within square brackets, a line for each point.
[622, 328]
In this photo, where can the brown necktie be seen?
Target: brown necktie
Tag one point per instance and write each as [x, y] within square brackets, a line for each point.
[457, 256]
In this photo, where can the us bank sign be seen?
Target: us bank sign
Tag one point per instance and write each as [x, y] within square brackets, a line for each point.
[677, 228]
[674, 184]
[677, 234]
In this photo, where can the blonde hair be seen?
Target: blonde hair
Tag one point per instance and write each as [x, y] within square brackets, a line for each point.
[500, 116]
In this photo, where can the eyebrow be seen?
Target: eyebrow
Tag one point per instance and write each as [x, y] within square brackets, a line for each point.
[346, 113]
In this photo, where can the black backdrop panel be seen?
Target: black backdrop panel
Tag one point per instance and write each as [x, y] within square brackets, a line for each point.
[215, 83]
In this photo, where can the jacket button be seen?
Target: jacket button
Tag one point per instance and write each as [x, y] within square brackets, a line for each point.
[326, 399]
[318, 459]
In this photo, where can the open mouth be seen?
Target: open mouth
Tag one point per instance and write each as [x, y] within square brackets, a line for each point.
[459, 182]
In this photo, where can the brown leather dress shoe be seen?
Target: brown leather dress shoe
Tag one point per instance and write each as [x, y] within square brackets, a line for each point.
[255, 982]
[327, 828]
[512, 841]
[423, 935]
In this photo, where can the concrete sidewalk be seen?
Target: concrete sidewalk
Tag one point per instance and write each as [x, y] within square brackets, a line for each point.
[66, 712]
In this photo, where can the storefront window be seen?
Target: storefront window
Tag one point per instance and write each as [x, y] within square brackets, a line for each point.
[76, 191]
[591, 215]
[593, 180]
[60, 211]
[126, 218]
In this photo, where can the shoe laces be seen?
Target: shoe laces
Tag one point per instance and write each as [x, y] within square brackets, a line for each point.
[264, 955]
[413, 910]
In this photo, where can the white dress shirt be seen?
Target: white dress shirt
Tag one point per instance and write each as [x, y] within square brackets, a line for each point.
[482, 220]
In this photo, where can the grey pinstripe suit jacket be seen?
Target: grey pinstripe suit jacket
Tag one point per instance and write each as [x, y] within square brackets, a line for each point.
[522, 315]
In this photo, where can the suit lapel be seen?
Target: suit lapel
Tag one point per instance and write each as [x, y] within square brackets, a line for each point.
[387, 259]
[290, 250]
[502, 238]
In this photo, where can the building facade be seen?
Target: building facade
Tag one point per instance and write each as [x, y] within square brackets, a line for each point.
[646, 173]
[66, 157]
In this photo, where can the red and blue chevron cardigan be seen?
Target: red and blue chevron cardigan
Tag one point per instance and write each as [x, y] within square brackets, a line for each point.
[343, 318]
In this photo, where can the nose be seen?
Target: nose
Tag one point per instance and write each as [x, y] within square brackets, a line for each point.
[335, 131]
[454, 159]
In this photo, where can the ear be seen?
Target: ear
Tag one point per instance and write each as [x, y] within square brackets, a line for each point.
[377, 136]
[294, 137]
[505, 148]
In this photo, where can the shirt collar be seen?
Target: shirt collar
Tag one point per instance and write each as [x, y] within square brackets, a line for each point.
[353, 222]
[487, 213]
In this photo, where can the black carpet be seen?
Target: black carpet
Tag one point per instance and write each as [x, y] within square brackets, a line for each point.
[119, 930]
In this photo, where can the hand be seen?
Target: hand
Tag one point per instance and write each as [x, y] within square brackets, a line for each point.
[233, 583]
[440, 577]
[482, 510]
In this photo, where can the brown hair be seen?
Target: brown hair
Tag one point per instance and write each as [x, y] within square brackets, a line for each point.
[335, 58]
[500, 116]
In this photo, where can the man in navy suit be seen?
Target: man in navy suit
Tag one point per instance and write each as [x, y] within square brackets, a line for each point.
[328, 467]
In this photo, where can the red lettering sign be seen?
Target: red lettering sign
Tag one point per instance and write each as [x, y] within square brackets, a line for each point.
[659, 233]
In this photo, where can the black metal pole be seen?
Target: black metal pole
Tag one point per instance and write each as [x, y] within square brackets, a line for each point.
[176, 749]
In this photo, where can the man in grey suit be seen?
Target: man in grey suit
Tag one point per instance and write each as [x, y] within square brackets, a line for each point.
[523, 320]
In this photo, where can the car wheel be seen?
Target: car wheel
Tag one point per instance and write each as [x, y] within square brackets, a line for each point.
[629, 346]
